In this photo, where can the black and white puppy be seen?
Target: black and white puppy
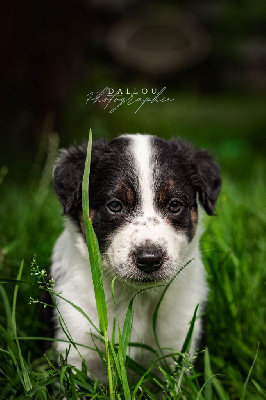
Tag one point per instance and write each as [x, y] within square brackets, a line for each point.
[143, 206]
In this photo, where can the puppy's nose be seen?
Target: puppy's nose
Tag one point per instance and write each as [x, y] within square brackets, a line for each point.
[148, 260]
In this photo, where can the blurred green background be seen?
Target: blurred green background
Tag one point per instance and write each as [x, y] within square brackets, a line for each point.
[210, 56]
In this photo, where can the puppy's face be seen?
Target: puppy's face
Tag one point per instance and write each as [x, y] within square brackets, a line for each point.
[142, 201]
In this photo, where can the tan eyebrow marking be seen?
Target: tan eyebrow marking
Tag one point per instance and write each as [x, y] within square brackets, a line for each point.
[166, 190]
[124, 191]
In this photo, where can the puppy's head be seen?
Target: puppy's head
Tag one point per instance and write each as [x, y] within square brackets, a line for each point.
[143, 201]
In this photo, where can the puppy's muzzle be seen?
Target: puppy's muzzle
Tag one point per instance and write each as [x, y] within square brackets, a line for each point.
[148, 260]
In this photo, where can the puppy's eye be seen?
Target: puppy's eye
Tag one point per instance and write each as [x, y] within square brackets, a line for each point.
[175, 207]
[115, 206]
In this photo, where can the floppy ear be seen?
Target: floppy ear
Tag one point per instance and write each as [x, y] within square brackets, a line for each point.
[68, 175]
[206, 179]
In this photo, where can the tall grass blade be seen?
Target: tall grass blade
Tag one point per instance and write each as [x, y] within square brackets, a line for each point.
[7, 308]
[207, 375]
[243, 395]
[123, 345]
[73, 386]
[127, 327]
[12, 349]
[93, 246]
[96, 264]
[186, 345]
[211, 382]
[116, 361]
[24, 372]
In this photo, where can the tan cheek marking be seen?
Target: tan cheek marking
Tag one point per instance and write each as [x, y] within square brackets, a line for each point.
[124, 190]
[130, 196]
[81, 221]
[194, 219]
[91, 215]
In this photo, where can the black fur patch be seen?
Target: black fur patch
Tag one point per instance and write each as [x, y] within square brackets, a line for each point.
[111, 177]
[181, 173]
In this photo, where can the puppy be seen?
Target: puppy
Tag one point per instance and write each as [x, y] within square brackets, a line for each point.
[144, 194]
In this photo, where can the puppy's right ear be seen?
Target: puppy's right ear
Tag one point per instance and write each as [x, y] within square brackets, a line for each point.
[68, 175]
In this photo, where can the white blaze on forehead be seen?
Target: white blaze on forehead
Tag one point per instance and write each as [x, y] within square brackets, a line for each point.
[143, 159]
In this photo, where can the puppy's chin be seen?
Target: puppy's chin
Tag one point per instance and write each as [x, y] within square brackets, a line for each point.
[146, 279]
[142, 283]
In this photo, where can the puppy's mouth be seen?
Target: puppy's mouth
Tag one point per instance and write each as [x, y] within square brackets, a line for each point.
[147, 280]
[142, 280]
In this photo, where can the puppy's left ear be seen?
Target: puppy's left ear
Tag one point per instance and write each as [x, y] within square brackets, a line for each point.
[206, 179]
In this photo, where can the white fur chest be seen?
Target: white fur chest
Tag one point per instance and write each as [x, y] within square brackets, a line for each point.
[71, 271]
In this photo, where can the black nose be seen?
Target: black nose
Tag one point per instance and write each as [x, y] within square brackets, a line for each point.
[148, 260]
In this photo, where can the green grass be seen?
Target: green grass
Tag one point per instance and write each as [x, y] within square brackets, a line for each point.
[234, 250]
